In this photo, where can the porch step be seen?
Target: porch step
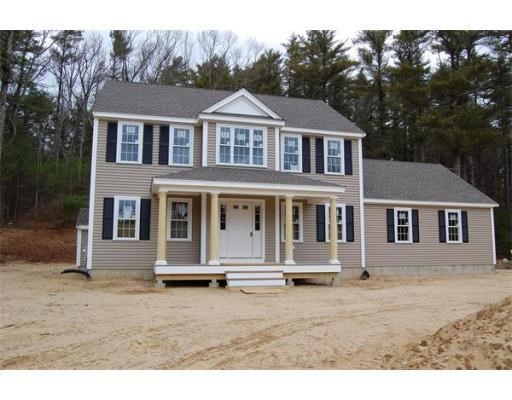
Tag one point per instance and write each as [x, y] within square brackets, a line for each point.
[247, 277]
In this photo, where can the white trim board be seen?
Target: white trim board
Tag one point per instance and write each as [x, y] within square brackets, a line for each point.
[243, 120]
[429, 203]
[92, 193]
[323, 132]
[144, 117]
[361, 205]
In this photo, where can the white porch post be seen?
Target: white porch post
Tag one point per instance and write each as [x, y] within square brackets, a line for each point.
[289, 231]
[162, 218]
[333, 232]
[203, 229]
[277, 227]
[214, 227]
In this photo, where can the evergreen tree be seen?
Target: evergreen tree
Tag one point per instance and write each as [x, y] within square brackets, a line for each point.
[264, 75]
[213, 74]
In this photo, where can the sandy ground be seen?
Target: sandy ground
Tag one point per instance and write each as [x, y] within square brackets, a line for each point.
[64, 322]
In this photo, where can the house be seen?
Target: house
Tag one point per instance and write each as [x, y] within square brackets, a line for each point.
[215, 185]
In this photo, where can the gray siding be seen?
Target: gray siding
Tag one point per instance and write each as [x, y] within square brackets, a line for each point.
[428, 252]
[83, 248]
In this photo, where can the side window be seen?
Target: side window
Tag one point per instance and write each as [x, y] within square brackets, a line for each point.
[180, 219]
[453, 226]
[129, 143]
[297, 220]
[340, 222]
[291, 154]
[333, 153]
[181, 146]
[403, 231]
[126, 214]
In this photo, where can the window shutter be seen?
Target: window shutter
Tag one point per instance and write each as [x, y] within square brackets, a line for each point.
[442, 226]
[147, 145]
[320, 223]
[145, 218]
[111, 141]
[108, 218]
[415, 226]
[390, 216]
[163, 156]
[348, 157]
[319, 154]
[306, 154]
[349, 215]
[465, 232]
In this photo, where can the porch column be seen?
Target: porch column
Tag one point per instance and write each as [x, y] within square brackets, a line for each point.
[333, 232]
[162, 218]
[289, 231]
[214, 228]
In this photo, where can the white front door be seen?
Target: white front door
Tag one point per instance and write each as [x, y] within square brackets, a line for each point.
[241, 231]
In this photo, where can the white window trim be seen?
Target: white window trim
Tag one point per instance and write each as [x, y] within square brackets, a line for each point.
[189, 225]
[301, 221]
[295, 135]
[459, 225]
[344, 221]
[171, 145]
[342, 156]
[120, 125]
[116, 216]
[409, 220]
[232, 144]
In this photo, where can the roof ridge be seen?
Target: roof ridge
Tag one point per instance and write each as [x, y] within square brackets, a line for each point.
[405, 162]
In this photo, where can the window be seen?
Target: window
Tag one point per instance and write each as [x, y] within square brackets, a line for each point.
[180, 219]
[257, 218]
[126, 218]
[222, 217]
[453, 226]
[291, 153]
[333, 156]
[129, 142]
[297, 219]
[180, 146]
[403, 231]
[238, 145]
[340, 222]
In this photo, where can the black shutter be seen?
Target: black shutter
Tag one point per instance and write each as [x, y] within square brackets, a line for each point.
[465, 233]
[306, 154]
[319, 154]
[349, 211]
[147, 145]
[390, 216]
[111, 141]
[320, 223]
[442, 226]
[348, 157]
[163, 156]
[415, 226]
[145, 218]
[108, 218]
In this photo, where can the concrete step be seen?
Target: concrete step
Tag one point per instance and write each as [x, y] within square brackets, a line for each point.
[265, 277]
[254, 275]
[255, 282]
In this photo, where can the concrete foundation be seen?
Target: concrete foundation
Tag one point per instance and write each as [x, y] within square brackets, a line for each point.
[118, 273]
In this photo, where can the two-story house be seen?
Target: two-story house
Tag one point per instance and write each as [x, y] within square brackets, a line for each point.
[255, 189]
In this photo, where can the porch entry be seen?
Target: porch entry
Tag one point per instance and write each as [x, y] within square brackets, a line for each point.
[241, 230]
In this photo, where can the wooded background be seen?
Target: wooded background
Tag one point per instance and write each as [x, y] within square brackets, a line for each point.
[432, 96]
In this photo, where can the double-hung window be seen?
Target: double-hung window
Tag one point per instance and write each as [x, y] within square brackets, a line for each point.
[241, 146]
[453, 226]
[126, 218]
[297, 221]
[180, 219]
[403, 223]
[333, 154]
[181, 145]
[129, 142]
[340, 222]
[291, 156]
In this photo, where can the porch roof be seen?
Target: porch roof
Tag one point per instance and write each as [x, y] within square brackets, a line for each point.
[240, 180]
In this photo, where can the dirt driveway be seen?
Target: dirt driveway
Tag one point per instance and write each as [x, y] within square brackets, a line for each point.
[64, 322]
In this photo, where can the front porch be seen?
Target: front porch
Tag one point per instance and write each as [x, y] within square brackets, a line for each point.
[248, 230]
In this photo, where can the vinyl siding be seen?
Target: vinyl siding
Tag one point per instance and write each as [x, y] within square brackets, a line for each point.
[83, 248]
[428, 252]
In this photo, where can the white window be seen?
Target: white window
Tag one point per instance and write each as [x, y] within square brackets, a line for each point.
[181, 146]
[297, 220]
[340, 222]
[129, 142]
[179, 215]
[403, 231]
[291, 156]
[453, 226]
[333, 156]
[126, 218]
[237, 145]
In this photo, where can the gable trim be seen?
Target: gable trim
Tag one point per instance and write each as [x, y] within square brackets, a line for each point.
[243, 120]
[141, 117]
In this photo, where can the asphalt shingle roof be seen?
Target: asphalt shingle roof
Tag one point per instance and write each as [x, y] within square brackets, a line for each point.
[83, 217]
[184, 102]
[246, 175]
[398, 180]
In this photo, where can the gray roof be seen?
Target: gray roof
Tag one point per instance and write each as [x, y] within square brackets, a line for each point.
[245, 175]
[399, 180]
[184, 102]
[83, 217]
